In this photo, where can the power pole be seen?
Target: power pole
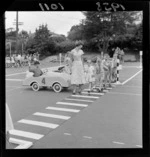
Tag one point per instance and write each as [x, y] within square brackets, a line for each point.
[17, 32]
[17, 29]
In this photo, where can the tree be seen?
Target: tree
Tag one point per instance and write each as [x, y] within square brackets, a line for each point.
[105, 27]
[76, 32]
[41, 41]
[58, 38]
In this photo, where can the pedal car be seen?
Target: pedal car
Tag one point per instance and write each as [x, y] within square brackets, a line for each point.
[55, 79]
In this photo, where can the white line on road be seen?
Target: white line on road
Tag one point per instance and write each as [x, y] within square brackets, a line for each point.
[72, 104]
[52, 115]
[131, 77]
[22, 143]
[63, 109]
[118, 142]
[125, 93]
[139, 146]
[43, 124]
[85, 96]
[26, 134]
[87, 137]
[16, 74]
[79, 100]
[14, 79]
[126, 86]
[67, 134]
[92, 93]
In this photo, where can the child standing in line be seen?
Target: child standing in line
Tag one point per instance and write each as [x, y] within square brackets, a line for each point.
[90, 75]
[86, 67]
[114, 68]
[106, 69]
[99, 74]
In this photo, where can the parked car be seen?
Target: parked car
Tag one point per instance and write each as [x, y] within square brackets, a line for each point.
[55, 79]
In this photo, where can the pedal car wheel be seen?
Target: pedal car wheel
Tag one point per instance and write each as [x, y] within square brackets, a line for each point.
[57, 87]
[35, 86]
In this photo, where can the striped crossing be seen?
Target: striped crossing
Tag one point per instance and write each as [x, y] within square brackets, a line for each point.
[22, 143]
[26, 134]
[92, 93]
[72, 104]
[42, 124]
[79, 100]
[52, 115]
[73, 100]
[85, 96]
[63, 109]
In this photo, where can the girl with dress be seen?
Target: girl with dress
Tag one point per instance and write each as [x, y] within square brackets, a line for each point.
[91, 75]
[77, 69]
[99, 74]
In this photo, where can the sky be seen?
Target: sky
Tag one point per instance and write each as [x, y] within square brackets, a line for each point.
[58, 22]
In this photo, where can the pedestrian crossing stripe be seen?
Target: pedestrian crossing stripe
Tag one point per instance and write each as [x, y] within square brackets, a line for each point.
[26, 134]
[22, 143]
[92, 93]
[42, 124]
[27, 144]
[72, 104]
[52, 115]
[63, 109]
[85, 96]
[79, 100]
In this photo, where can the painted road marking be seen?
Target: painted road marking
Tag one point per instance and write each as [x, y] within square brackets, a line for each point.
[67, 134]
[43, 124]
[79, 100]
[52, 115]
[26, 134]
[51, 68]
[139, 146]
[87, 137]
[72, 104]
[118, 142]
[126, 86]
[131, 77]
[22, 143]
[85, 96]
[125, 93]
[92, 93]
[105, 90]
[63, 109]
[14, 79]
[16, 74]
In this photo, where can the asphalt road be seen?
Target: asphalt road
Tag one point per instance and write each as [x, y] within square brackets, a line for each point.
[60, 120]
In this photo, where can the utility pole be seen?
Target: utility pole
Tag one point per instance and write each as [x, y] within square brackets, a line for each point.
[17, 32]
[17, 29]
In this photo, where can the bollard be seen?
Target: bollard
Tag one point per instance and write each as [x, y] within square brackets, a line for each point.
[118, 63]
[140, 59]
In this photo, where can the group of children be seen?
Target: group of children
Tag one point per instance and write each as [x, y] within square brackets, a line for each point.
[100, 72]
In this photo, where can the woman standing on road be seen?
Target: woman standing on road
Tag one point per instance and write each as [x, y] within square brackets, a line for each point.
[77, 69]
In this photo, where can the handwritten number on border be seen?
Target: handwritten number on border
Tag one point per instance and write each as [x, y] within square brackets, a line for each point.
[113, 6]
[52, 6]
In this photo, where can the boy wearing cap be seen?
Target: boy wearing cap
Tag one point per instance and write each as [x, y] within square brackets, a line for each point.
[35, 69]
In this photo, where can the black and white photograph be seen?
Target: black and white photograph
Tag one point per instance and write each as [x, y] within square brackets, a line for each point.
[73, 79]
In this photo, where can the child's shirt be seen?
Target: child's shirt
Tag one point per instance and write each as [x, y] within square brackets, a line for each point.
[86, 67]
[105, 65]
[91, 70]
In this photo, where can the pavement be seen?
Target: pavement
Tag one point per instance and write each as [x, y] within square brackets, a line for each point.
[112, 119]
